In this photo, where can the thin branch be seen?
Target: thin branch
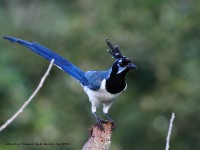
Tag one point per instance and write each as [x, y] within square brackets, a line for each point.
[169, 131]
[29, 99]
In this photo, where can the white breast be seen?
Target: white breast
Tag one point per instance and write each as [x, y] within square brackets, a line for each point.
[101, 95]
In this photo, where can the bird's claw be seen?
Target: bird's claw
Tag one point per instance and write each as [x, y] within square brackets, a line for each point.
[101, 121]
[111, 121]
[113, 125]
[99, 124]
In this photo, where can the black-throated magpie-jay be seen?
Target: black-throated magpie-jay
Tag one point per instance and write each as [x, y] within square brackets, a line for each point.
[102, 87]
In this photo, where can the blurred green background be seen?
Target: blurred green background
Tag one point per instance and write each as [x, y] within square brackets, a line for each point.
[161, 36]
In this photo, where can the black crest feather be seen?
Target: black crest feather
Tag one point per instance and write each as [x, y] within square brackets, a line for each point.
[114, 50]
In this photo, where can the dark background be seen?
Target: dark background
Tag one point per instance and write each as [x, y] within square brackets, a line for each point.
[161, 36]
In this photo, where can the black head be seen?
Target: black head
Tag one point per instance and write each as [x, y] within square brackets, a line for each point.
[123, 63]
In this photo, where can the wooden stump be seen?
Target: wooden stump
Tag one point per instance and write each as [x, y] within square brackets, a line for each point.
[98, 139]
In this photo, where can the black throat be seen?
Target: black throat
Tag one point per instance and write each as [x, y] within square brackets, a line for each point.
[116, 82]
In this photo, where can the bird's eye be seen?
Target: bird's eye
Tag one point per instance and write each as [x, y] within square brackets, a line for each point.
[120, 63]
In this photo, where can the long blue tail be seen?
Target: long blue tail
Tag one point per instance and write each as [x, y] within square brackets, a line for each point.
[60, 62]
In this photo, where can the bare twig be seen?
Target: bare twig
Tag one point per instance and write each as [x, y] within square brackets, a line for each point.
[169, 131]
[29, 99]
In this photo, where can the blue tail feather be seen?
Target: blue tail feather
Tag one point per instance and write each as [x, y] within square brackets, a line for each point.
[61, 62]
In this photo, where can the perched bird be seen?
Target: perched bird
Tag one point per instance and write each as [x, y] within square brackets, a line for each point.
[102, 87]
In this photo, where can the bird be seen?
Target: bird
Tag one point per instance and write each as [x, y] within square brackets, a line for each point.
[102, 87]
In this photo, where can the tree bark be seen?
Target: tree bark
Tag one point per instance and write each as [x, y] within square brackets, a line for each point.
[99, 139]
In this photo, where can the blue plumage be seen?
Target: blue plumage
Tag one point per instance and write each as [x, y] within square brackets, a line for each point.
[61, 62]
[102, 87]
[95, 78]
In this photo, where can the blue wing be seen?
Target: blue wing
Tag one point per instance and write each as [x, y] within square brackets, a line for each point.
[61, 62]
[95, 78]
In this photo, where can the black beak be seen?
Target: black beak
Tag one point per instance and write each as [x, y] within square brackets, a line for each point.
[132, 66]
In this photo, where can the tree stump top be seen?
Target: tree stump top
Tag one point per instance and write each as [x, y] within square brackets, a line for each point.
[99, 139]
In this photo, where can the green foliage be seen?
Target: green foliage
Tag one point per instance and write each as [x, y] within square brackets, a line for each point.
[161, 36]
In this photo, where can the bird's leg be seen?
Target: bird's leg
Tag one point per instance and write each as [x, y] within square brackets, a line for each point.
[105, 111]
[99, 122]
[111, 120]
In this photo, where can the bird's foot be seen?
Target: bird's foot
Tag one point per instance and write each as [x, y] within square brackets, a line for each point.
[99, 123]
[111, 121]
[113, 125]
